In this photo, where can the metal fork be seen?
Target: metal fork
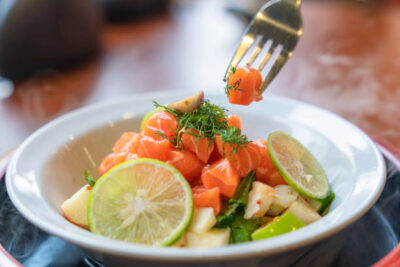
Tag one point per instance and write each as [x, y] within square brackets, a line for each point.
[277, 23]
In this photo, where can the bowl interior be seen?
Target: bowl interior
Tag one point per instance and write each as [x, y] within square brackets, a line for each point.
[48, 168]
[85, 152]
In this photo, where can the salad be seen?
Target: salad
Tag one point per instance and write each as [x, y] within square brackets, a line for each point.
[191, 178]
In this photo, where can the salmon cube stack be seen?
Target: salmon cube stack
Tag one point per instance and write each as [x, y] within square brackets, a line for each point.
[212, 163]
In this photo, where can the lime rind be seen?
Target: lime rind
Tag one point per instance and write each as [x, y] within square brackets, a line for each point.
[184, 223]
[303, 159]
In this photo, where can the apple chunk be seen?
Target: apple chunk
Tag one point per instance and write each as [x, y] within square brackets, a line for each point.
[211, 239]
[75, 208]
[203, 220]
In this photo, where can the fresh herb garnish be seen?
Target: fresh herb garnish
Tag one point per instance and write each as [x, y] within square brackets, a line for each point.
[209, 120]
[89, 178]
[234, 137]
[241, 229]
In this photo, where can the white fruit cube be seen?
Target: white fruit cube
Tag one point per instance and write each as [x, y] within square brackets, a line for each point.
[211, 239]
[75, 208]
[302, 210]
[259, 200]
[284, 197]
[203, 220]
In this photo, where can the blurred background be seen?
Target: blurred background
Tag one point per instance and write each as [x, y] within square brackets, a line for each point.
[59, 55]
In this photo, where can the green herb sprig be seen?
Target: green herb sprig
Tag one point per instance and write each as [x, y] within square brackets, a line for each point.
[234, 137]
[209, 120]
[235, 85]
[89, 178]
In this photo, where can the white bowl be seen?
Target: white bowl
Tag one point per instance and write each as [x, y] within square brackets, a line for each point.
[47, 168]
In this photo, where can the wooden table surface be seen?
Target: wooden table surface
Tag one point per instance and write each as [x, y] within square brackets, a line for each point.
[347, 61]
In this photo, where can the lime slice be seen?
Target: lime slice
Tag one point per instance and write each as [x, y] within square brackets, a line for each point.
[143, 201]
[284, 224]
[298, 167]
[147, 116]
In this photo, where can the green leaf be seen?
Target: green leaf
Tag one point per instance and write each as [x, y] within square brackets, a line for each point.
[241, 229]
[238, 200]
[89, 178]
[243, 189]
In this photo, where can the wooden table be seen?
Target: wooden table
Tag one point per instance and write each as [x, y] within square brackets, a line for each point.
[348, 61]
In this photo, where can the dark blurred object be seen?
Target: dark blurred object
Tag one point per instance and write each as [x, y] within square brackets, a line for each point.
[125, 10]
[46, 34]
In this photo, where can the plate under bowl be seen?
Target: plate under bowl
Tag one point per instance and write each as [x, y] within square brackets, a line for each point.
[47, 168]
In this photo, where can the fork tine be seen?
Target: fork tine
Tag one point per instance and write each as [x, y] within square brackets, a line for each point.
[276, 67]
[267, 57]
[246, 43]
[257, 50]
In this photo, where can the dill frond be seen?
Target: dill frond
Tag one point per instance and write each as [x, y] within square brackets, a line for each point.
[209, 120]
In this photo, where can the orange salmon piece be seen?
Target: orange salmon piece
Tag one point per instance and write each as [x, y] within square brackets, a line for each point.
[152, 148]
[162, 122]
[127, 143]
[201, 146]
[207, 197]
[246, 83]
[214, 156]
[111, 160]
[245, 159]
[267, 172]
[186, 162]
[221, 175]
[235, 121]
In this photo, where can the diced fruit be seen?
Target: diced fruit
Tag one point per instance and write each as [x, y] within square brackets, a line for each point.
[259, 200]
[298, 166]
[111, 160]
[188, 104]
[203, 220]
[160, 125]
[211, 239]
[244, 86]
[127, 143]
[266, 171]
[201, 146]
[221, 175]
[75, 208]
[186, 162]
[246, 158]
[284, 197]
[207, 197]
[282, 225]
[235, 121]
[143, 201]
[302, 210]
[154, 149]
